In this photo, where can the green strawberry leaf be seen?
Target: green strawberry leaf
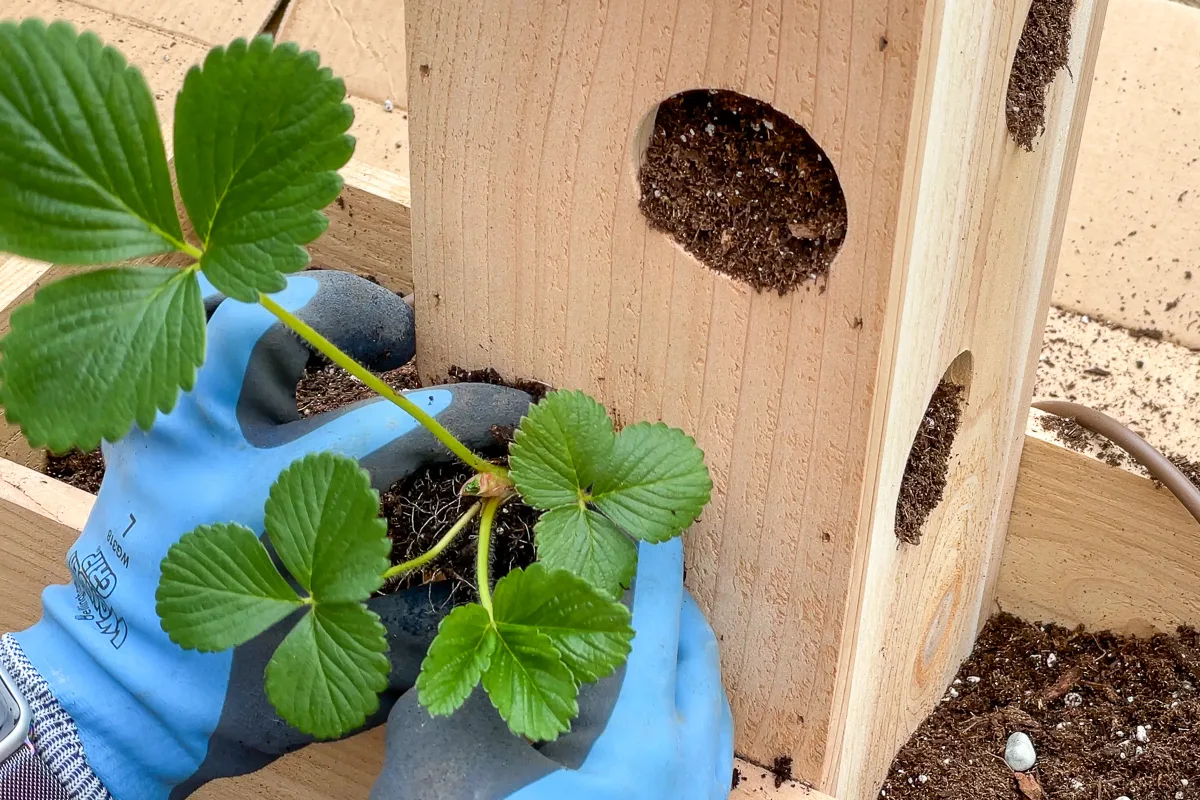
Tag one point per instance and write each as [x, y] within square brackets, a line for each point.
[591, 632]
[83, 171]
[588, 544]
[326, 676]
[529, 684]
[219, 589]
[559, 449]
[655, 484]
[260, 132]
[95, 352]
[456, 660]
[323, 519]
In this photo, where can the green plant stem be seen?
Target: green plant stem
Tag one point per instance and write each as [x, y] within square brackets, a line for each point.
[436, 550]
[483, 555]
[331, 351]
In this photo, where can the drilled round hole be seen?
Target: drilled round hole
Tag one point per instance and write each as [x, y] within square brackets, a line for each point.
[1043, 50]
[928, 465]
[743, 188]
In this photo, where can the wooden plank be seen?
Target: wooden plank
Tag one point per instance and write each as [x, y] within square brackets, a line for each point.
[363, 40]
[163, 58]
[1095, 545]
[977, 280]
[40, 519]
[530, 255]
[1133, 232]
[211, 22]
[370, 230]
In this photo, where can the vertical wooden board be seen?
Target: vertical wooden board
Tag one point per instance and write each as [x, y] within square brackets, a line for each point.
[986, 221]
[164, 59]
[1094, 545]
[530, 255]
[363, 40]
[210, 22]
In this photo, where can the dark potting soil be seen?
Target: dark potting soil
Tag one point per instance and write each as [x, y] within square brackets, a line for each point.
[1109, 716]
[1043, 50]
[82, 470]
[743, 188]
[421, 509]
[924, 479]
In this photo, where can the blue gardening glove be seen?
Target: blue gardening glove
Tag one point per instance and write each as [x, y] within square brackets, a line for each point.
[156, 721]
[660, 729]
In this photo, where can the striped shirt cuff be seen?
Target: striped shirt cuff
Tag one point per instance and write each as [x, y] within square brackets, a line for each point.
[53, 732]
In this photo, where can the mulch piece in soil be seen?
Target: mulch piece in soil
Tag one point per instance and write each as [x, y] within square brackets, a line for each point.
[421, 509]
[82, 470]
[1043, 50]
[743, 188]
[924, 479]
[1109, 716]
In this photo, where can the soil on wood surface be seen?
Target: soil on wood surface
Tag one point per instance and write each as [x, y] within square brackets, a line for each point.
[1109, 716]
[421, 509]
[1079, 438]
[743, 188]
[1151, 386]
[928, 464]
[1043, 50]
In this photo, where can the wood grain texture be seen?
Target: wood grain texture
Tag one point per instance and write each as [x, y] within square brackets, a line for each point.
[40, 519]
[530, 255]
[1095, 545]
[1133, 230]
[163, 58]
[210, 22]
[363, 40]
[370, 230]
[985, 221]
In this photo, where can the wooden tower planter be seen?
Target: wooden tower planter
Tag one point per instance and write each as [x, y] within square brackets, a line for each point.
[529, 253]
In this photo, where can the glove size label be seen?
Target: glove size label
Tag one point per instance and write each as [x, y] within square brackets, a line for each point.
[95, 580]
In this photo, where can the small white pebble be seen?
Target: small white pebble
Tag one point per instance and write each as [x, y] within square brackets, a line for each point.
[1124, 755]
[1073, 700]
[1123, 797]
[1019, 753]
[1076, 784]
[1139, 750]
[957, 682]
[1183, 782]
[710, 129]
[1179, 796]
[1141, 734]
[953, 692]
[923, 778]
[945, 761]
[388, 106]
[1085, 319]
[1051, 660]
[973, 679]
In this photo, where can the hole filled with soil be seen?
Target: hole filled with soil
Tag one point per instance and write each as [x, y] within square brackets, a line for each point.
[743, 188]
[1043, 50]
[418, 509]
[1109, 716]
[924, 480]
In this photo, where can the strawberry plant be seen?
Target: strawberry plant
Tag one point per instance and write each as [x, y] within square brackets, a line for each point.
[259, 134]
